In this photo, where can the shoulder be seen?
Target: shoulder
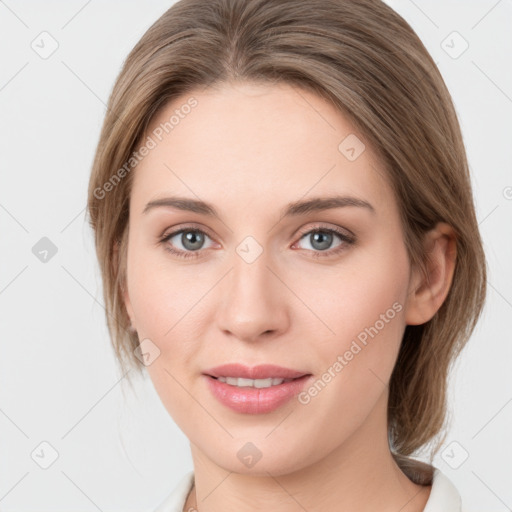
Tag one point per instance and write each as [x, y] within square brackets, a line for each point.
[176, 500]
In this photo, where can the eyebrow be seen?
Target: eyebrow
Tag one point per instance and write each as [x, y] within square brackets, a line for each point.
[301, 207]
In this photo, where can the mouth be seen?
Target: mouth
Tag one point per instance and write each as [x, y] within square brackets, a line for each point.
[257, 389]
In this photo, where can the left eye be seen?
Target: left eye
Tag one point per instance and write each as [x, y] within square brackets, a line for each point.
[322, 239]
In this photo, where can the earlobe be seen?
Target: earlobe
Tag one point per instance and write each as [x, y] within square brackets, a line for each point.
[428, 291]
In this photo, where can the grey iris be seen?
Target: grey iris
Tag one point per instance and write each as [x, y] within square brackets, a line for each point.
[192, 240]
[321, 240]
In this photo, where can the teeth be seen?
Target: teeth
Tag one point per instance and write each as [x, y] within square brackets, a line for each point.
[253, 383]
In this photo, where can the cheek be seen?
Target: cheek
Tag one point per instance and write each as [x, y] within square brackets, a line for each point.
[355, 295]
[164, 304]
[363, 304]
[170, 307]
[159, 292]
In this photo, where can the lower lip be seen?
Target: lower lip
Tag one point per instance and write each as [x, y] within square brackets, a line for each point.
[249, 400]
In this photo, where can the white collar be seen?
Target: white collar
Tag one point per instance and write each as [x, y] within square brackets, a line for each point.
[444, 497]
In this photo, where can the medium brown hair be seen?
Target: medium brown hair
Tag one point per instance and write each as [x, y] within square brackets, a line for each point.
[365, 59]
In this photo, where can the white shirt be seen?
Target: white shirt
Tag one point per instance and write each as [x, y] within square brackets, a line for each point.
[444, 497]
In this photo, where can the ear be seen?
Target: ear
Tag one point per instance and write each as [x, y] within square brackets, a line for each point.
[428, 292]
[123, 284]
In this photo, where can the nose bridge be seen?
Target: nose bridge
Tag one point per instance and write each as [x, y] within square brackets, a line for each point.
[250, 274]
[253, 303]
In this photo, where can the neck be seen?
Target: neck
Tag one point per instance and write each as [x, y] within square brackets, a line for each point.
[360, 474]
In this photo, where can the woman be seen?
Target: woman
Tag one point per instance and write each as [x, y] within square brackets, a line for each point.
[285, 227]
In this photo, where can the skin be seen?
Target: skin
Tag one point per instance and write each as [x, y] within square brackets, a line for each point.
[250, 150]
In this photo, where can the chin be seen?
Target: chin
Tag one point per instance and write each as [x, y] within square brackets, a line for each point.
[261, 457]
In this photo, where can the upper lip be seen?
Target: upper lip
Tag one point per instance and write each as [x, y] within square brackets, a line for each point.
[262, 371]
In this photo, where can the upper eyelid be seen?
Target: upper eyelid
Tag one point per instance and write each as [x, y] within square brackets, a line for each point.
[338, 230]
[174, 231]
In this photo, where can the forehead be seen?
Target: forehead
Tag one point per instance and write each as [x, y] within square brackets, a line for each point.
[255, 143]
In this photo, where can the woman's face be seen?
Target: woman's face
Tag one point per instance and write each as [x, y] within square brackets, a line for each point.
[255, 284]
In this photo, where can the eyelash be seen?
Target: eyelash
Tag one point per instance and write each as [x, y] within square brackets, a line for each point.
[347, 239]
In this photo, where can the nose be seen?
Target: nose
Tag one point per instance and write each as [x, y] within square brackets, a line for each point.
[253, 301]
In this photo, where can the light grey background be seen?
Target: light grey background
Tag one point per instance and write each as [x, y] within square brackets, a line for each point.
[58, 380]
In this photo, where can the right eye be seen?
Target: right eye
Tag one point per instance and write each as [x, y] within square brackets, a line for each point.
[191, 241]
